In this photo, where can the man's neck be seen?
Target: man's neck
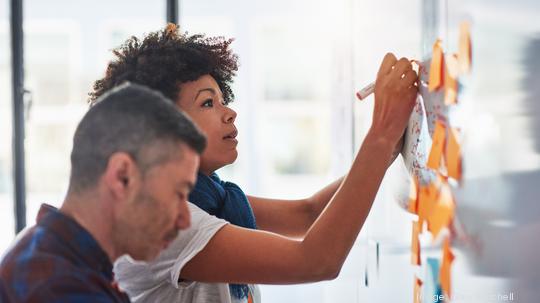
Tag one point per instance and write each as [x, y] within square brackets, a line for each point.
[94, 216]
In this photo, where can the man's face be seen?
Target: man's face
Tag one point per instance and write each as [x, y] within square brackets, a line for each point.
[202, 100]
[159, 208]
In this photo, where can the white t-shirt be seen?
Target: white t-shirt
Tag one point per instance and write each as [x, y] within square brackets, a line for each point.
[157, 281]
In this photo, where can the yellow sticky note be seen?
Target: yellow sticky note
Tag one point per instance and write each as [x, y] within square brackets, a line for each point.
[413, 196]
[415, 245]
[436, 77]
[453, 154]
[417, 286]
[437, 146]
[450, 80]
[465, 48]
[443, 210]
[445, 273]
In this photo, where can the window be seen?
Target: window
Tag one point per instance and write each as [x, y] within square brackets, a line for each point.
[283, 91]
[7, 222]
[67, 47]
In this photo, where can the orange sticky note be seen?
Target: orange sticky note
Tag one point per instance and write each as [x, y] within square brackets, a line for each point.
[450, 80]
[453, 154]
[415, 245]
[465, 48]
[427, 197]
[413, 196]
[436, 75]
[417, 286]
[437, 146]
[443, 210]
[422, 206]
[445, 274]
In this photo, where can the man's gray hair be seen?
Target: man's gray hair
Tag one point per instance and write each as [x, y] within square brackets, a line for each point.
[130, 118]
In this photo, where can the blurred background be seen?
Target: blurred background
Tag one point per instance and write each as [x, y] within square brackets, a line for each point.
[299, 124]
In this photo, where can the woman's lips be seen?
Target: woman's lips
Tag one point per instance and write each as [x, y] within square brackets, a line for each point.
[231, 136]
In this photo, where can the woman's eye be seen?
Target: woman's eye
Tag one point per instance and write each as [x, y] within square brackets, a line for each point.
[208, 103]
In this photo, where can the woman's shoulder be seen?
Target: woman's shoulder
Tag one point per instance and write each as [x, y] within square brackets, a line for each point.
[200, 218]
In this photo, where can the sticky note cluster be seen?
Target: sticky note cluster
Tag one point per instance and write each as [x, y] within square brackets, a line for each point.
[445, 70]
[445, 154]
[434, 202]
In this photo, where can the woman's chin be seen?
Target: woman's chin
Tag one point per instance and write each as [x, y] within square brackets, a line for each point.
[230, 158]
[234, 156]
[226, 159]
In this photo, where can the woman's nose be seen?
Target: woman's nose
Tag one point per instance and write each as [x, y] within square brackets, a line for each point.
[230, 115]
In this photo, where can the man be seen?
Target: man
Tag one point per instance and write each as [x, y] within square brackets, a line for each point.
[134, 161]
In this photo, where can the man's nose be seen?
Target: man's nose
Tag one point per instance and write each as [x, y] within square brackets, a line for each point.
[184, 217]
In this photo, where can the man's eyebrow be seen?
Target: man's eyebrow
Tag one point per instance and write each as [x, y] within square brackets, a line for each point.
[190, 185]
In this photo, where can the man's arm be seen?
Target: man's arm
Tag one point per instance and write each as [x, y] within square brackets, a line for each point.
[241, 255]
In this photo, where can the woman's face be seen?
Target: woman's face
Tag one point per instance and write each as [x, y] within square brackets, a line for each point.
[203, 101]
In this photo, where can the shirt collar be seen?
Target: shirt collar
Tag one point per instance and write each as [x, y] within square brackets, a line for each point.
[76, 238]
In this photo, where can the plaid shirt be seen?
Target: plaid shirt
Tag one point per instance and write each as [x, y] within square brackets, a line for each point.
[57, 260]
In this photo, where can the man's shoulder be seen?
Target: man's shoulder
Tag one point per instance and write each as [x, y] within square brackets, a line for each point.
[36, 269]
[36, 241]
[26, 246]
[32, 258]
[64, 287]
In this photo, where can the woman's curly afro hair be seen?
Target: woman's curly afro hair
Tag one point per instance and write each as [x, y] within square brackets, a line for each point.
[167, 58]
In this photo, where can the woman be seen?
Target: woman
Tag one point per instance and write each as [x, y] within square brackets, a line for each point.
[261, 245]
